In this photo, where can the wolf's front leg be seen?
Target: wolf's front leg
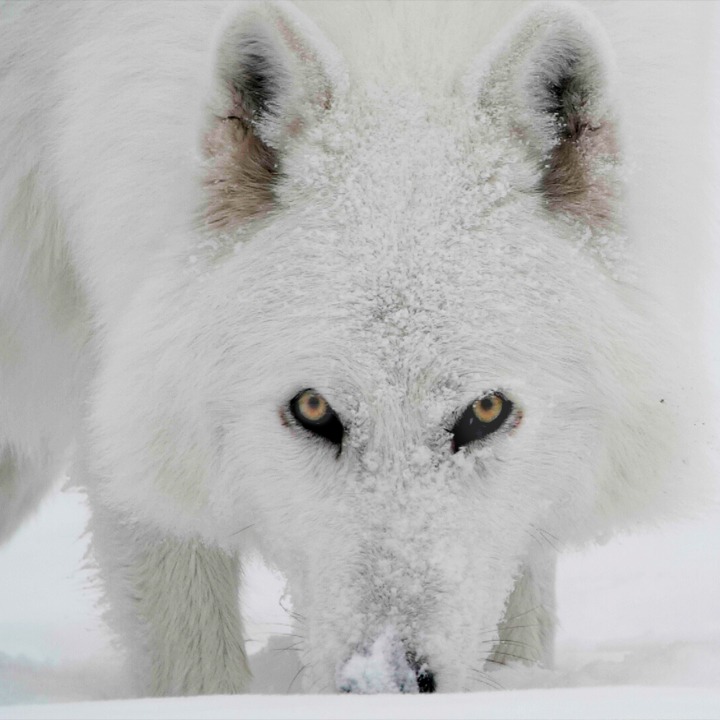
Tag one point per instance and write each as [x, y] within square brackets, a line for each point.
[527, 632]
[174, 605]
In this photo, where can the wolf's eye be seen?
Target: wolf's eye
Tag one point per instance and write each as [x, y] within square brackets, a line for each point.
[480, 418]
[314, 413]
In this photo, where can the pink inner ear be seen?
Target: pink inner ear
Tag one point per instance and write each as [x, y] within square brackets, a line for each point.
[322, 97]
[574, 182]
[241, 170]
[237, 108]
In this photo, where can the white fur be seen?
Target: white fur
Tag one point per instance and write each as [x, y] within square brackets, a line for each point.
[410, 266]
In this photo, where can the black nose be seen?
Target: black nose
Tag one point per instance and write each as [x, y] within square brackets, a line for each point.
[425, 680]
[423, 674]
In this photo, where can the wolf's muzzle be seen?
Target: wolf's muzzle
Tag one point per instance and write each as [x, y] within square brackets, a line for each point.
[387, 666]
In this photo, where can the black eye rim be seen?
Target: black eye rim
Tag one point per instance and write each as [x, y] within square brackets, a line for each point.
[329, 427]
[469, 428]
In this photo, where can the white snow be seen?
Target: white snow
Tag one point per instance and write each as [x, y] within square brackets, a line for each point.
[598, 703]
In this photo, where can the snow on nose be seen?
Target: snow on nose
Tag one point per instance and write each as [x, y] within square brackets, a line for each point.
[386, 667]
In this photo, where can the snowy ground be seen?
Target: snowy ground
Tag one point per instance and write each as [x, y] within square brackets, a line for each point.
[640, 611]
[628, 702]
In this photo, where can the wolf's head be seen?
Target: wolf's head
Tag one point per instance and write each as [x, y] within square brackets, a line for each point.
[404, 358]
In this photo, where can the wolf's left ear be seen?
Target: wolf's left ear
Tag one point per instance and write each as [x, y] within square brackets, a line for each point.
[547, 82]
[273, 76]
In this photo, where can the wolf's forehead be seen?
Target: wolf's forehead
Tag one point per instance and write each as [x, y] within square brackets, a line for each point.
[407, 161]
[421, 232]
[415, 197]
[409, 313]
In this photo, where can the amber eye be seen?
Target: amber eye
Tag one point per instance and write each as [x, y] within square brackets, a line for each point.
[488, 408]
[312, 407]
[313, 412]
[482, 417]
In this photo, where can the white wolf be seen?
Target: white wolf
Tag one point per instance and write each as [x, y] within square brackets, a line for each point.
[351, 291]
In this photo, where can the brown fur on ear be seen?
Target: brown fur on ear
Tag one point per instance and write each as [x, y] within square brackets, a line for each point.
[571, 183]
[241, 171]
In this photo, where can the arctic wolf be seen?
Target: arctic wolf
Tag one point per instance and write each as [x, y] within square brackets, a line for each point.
[342, 284]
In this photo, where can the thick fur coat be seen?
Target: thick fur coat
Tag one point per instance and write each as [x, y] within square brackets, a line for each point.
[206, 209]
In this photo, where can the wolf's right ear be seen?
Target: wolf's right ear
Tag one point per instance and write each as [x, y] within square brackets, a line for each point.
[274, 74]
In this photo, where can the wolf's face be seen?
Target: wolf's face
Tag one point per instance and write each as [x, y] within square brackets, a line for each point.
[416, 406]
[395, 374]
